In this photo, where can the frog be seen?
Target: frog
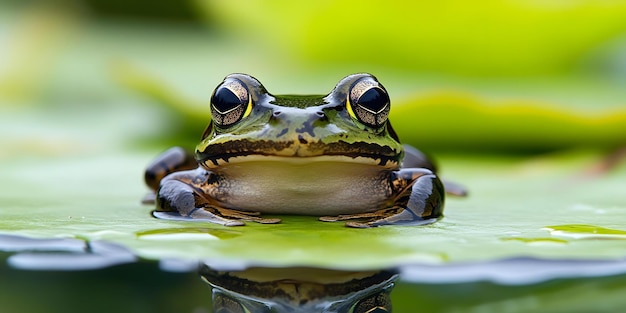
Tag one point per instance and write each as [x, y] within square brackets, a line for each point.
[333, 156]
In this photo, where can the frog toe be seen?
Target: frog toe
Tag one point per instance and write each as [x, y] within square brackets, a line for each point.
[149, 198]
[455, 189]
[207, 215]
[389, 216]
[330, 218]
[358, 224]
[246, 216]
[405, 217]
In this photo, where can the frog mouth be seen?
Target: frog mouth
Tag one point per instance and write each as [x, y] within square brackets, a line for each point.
[236, 151]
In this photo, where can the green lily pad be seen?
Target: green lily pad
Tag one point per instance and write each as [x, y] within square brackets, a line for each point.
[512, 210]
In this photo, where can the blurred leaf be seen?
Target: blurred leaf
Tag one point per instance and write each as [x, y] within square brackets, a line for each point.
[451, 121]
[487, 37]
[156, 10]
[32, 50]
[146, 84]
[456, 121]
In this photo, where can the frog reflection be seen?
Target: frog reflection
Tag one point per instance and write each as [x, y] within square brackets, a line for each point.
[300, 290]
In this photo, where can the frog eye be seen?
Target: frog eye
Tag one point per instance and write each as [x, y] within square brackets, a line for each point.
[368, 102]
[230, 102]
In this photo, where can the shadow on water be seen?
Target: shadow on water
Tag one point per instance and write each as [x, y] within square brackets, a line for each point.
[71, 275]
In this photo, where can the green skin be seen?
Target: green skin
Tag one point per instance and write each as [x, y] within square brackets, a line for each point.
[324, 156]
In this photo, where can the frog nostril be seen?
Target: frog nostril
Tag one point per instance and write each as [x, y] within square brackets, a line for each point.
[321, 116]
[302, 140]
[277, 113]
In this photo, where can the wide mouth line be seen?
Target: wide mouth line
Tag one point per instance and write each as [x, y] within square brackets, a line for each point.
[350, 152]
[312, 148]
[219, 160]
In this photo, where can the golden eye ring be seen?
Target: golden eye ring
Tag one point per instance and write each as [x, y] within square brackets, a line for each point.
[368, 102]
[230, 102]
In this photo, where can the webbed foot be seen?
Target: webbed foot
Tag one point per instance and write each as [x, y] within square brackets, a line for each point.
[230, 217]
[392, 216]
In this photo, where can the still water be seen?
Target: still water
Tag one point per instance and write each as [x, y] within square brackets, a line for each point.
[54, 276]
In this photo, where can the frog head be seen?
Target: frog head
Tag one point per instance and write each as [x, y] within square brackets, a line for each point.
[350, 124]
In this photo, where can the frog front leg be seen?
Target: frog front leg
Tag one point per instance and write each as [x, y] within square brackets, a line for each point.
[418, 197]
[173, 160]
[194, 194]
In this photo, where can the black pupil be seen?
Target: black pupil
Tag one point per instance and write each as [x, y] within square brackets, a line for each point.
[225, 100]
[374, 99]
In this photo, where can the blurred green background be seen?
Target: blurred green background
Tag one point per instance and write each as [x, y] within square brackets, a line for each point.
[485, 76]
[90, 90]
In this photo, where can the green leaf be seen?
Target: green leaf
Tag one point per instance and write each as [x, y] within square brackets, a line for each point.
[451, 121]
[478, 38]
[513, 204]
[456, 121]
